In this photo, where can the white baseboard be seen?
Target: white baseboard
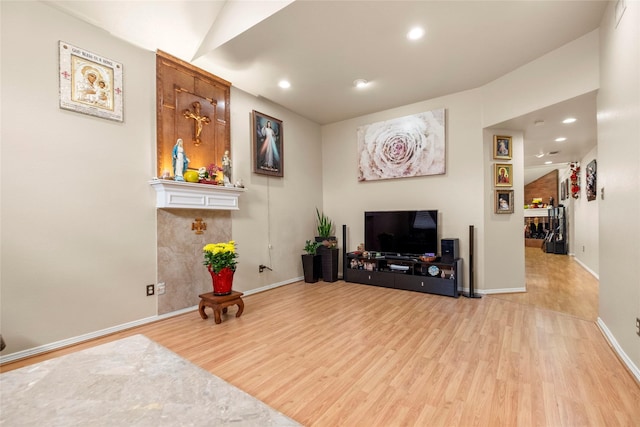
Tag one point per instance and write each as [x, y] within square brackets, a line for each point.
[583, 265]
[635, 371]
[273, 286]
[107, 331]
[85, 337]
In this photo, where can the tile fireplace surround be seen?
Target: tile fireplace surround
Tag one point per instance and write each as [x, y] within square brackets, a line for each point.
[179, 248]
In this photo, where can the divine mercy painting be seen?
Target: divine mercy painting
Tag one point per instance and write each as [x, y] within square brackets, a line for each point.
[267, 145]
[405, 147]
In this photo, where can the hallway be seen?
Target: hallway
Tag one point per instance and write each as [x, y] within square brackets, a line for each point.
[558, 283]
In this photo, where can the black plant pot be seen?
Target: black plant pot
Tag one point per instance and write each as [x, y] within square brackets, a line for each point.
[320, 239]
[329, 263]
[311, 266]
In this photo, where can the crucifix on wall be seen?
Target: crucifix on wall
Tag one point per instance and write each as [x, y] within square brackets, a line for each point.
[198, 121]
[184, 90]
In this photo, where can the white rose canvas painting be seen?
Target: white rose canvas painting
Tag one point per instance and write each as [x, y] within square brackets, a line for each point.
[404, 147]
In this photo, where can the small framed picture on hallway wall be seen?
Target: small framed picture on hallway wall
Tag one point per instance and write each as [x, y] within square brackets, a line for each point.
[591, 180]
[502, 147]
[267, 143]
[503, 175]
[504, 201]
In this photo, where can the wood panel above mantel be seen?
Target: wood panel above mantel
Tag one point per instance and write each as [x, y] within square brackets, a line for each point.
[182, 87]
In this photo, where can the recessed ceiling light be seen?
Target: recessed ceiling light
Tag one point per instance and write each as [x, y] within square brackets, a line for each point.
[415, 33]
[569, 120]
[284, 84]
[548, 163]
[561, 139]
[541, 155]
[360, 83]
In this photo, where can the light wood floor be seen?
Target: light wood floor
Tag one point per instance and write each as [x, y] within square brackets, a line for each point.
[559, 283]
[342, 354]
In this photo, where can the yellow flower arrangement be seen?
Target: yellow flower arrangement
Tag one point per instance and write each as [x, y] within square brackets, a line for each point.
[220, 255]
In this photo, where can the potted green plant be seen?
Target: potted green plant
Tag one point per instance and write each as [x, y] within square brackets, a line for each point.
[311, 264]
[324, 226]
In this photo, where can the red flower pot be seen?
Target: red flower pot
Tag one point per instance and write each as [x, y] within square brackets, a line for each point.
[222, 281]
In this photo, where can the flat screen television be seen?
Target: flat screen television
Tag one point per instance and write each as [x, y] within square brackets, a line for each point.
[401, 232]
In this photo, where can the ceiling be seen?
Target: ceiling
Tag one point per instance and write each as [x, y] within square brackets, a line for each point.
[322, 46]
[541, 128]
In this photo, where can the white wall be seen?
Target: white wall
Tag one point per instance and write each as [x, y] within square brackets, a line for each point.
[276, 211]
[464, 195]
[562, 74]
[586, 218]
[564, 173]
[78, 217]
[458, 195]
[78, 214]
[504, 243]
[619, 175]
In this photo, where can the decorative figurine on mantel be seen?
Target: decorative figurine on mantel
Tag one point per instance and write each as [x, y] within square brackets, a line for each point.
[226, 169]
[180, 160]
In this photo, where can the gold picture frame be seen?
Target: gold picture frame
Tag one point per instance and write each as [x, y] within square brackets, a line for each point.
[503, 203]
[502, 147]
[503, 175]
[89, 83]
[267, 144]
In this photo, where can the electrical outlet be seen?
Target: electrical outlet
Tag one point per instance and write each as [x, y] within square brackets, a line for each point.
[161, 288]
[263, 267]
[150, 290]
[638, 326]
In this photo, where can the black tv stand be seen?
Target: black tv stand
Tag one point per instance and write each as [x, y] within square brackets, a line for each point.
[405, 272]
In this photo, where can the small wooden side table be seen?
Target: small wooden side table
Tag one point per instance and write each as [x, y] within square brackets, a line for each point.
[220, 303]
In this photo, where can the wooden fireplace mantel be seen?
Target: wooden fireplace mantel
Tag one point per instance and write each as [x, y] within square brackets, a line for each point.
[187, 195]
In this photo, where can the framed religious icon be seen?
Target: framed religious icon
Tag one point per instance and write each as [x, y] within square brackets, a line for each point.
[504, 201]
[591, 180]
[503, 175]
[89, 83]
[502, 147]
[267, 143]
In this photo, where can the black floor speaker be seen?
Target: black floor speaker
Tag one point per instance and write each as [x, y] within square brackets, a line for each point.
[344, 250]
[472, 274]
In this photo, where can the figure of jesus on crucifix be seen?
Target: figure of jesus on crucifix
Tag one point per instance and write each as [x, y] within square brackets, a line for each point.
[199, 121]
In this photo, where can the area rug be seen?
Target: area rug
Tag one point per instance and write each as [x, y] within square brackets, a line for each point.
[132, 381]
